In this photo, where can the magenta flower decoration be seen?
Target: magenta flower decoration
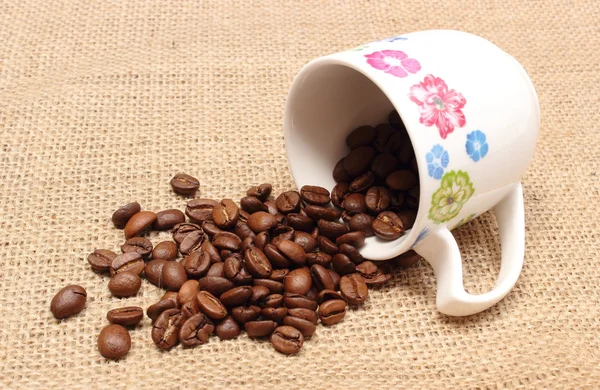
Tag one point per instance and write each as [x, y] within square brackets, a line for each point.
[394, 62]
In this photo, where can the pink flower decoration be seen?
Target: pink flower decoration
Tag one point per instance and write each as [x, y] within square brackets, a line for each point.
[394, 62]
[438, 105]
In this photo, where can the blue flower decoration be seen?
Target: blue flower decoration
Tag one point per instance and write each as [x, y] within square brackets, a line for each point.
[393, 39]
[477, 147]
[422, 234]
[437, 160]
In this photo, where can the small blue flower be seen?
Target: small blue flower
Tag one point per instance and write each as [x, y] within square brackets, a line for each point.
[422, 234]
[393, 39]
[437, 160]
[476, 145]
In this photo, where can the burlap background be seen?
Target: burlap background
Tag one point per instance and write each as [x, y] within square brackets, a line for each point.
[101, 102]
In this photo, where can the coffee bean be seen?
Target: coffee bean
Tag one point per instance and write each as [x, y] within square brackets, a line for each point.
[287, 340]
[359, 160]
[138, 223]
[125, 316]
[153, 271]
[402, 180]
[196, 264]
[243, 314]
[124, 213]
[70, 300]
[211, 305]
[362, 223]
[228, 329]
[412, 198]
[394, 143]
[274, 313]
[288, 202]
[273, 286]
[306, 328]
[329, 295]
[388, 226]
[383, 165]
[339, 192]
[210, 228]
[332, 311]
[282, 233]
[237, 296]
[361, 136]
[200, 210]
[305, 314]
[300, 222]
[127, 262]
[257, 263]
[292, 251]
[227, 241]
[188, 291]
[292, 301]
[342, 264]
[165, 250]
[395, 120]
[331, 229]
[276, 258]
[346, 216]
[192, 242]
[165, 331]
[211, 250]
[307, 241]
[298, 281]
[377, 199]
[318, 258]
[114, 341]
[190, 308]
[260, 328]
[195, 330]
[170, 295]
[180, 231]
[362, 182]
[156, 309]
[407, 259]
[327, 246]
[252, 204]
[100, 259]
[261, 240]
[272, 207]
[173, 275]
[351, 252]
[247, 243]
[335, 277]
[215, 285]
[233, 268]
[372, 274]
[184, 184]
[355, 203]
[217, 269]
[167, 219]
[272, 300]
[321, 277]
[355, 239]
[320, 212]
[124, 284]
[384, 133]
[339, 172]
[141, 245]
[258, 295]
[315, 195]
[406, 152]
[354, 289]
[226, 213]
[262, 191]
[261, 221]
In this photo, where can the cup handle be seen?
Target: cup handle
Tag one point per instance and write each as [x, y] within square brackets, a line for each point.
[439, 248]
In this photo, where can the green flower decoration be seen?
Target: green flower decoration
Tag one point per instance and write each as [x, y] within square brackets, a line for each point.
[455, 190]
[466, 219]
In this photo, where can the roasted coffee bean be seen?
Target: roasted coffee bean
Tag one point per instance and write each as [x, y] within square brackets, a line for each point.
[318, 258]
[287, 340]
[188, 291]
[125, 316]
[288, 202]
[173, 275]
[395, 120]
[412, 198]
[127, 262]
[215, 285]
[227, 241]
[327, 246]
[401, 180]
[252, 204]
[155, 310]
[184, 184]
[406, 152]
[300, 222]
[165, 250]
[388, 226]
[247, 243]
[335, 277]
[278, 274]
[354, 289]
[100, 259]
[346, 216]
[261, 221]
[217, 269]
[342, 264]
[383, 165]
[361, 136]
[293, 251]
[138, 223]
[384, 133]
[273, 286]
[243, 231]
[276, 258]
[232, 267]
[210, 229]
[274, 313]
[170, 295]
[305, 314]
[355, 203]
[372, 274]
[190, 308]
[124, 213]
[153, 271]
[226, 214]
[312, 293]
[114, 341]
[407, 259]
[321, 277]
[228, 329]
[69, 301]
[237, 296]
[320, 212]
[351, 252]
[394, 143]
[180, 231]
[243, 314]
[362, 223]
[192, 242]
[307, 241]
[124, 284]
[165, 331]
[200, 210]
[261, 240]
[359, 160]
[211, 250]
[355, 239]
[362, 182]
[211, 305]
[339, 172]
[292, 301]
[257, 263]
[196, 264]
[305, 327]
[260, 328]
[408, 218]
[262, 192]
[272, 300]
[167, 219]
[272, 207]
[140, 245]
[329, 295]
[195, 330]
[339, 192]
[331, 229]
[283, 233]
[315, 195]
[396, 200]
[332, 311]
[258, 295]
[377, 199]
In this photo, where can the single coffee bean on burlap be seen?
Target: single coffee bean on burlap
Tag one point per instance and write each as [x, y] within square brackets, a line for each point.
[141, 245]
[388, 226]
[331, 229]
[127, 262]
[363, 182]
[361, 136]
[226, 213]
[138, 223]
[401, 180]
[362, 222]
[354, 289]
[287, 340]
[180, 231]
[215, 285]
[156, 309]
[288, 202]
[273, 286]
[228, 329]
[305, 327]
[195, 330]
[262, 191]
[167, 219]
[184, 184]
[262, 328]
[200, 210]
[188, 291]
[383, 165]
[342, 264]
[165, 250]
[122, 215]
[114, 341]
[243, 314]
[153, 271]
[165, 330]
[332, 311]
[315, 195]
[124, 284]
[70, 300]
[339, 172]
[173, 275]
[125, 316]
[359, 160]
[100, 260]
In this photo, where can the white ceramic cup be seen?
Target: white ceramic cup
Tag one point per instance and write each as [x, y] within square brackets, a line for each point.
[472, 115]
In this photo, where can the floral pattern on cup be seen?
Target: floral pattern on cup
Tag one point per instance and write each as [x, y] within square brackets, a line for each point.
[476, 145]
[466, 219]
[422, 234]
[395, 62]
[438, 105]
[455, 190]
[437, 160]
